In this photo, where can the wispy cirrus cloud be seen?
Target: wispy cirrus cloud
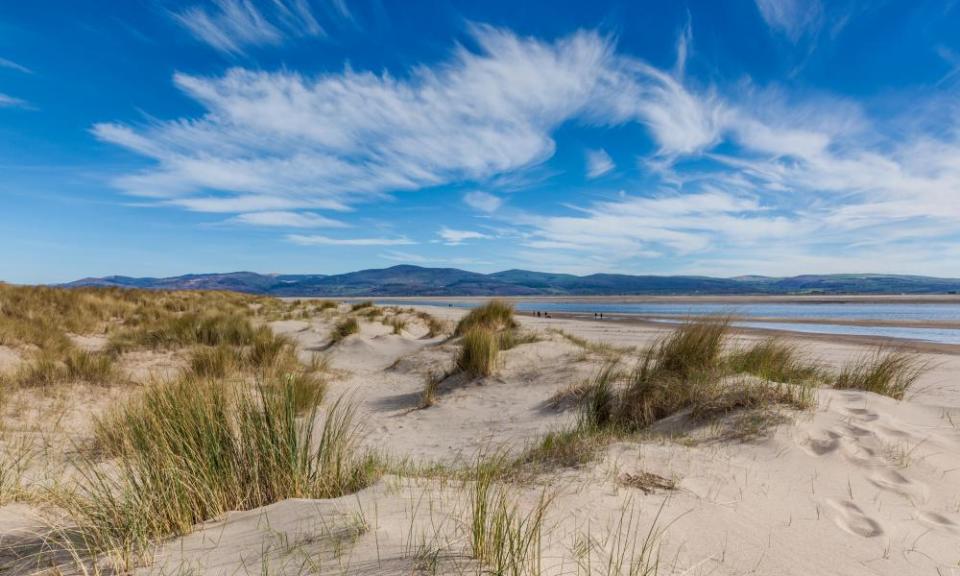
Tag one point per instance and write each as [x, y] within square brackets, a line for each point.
[453, 237]
[345, 138]
[7, 101]
[793, 18]
[231, 25]
[738, 169]
[598, 163]
[679, 224]
[10, 64]
[318, 240]
[283, 219]
[482, 201]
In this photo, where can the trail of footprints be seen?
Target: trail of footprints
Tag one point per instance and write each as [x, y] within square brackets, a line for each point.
[859, 441]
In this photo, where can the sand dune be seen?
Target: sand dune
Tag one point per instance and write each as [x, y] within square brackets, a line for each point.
[862, 484]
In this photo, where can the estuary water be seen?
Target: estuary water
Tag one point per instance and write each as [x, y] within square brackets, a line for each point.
[796, 312]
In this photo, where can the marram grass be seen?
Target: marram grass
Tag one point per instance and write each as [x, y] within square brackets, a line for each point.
[479, 352]
[194, 449]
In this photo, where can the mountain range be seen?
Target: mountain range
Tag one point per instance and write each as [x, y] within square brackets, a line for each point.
[406, 280]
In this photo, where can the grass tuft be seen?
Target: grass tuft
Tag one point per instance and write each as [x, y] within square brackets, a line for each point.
[195, 449]
[435, 326]
[676, 373]
[887, 372]
[431, 387]
[186, 330]
[495, 316]
[214, 361]
[505, 539]
[774, 359]
[46, 369]
[398, 325]
[344, 328]
[479, 353]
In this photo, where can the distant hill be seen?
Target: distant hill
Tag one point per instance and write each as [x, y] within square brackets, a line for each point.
[418, 281]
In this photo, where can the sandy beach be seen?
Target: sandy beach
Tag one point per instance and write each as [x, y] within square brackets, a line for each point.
[860, 484]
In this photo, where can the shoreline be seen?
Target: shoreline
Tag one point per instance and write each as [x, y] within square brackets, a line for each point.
[656, 320]
[854, 339]
[692, 299]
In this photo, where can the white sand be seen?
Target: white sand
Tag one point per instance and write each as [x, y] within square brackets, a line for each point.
[862, 485]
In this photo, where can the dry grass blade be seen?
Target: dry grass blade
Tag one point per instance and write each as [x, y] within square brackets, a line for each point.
[647, 482]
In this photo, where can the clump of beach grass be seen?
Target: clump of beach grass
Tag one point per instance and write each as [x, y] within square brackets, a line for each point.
[398, 324]
[265, 353]
[44, 316]
[503, 537]
[687, 371]
[495, 315]
[209, 329]
[47, 368]
[774, 359]
[679, 371]
[484, 332]
[885, 371]
[479, 352]
[214, 361]
[90, 367]
[431, 387]
[344, 328]
[194, 449]
[435, 326]
[508, 339]
[361, 305]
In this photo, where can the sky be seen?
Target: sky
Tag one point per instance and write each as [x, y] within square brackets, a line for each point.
[773, 137]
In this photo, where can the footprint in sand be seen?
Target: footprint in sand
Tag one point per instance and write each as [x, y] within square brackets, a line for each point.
[850, 517]
[859, 431]
[863, 414]
[821, 446]
[896, 433]
[893, 481]
[935, 520]
[860, 455]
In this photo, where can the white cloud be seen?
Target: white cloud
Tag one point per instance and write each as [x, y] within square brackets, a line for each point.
[231, 25]
[406, 257]
[287, 220]
[351, 137]
[679, 224]
[793, 18]
[798, 180]
[482, 201]
[455, 237]
[4, 63]
[317, 240]
[598, 163]
[752, 171]
[7, 101]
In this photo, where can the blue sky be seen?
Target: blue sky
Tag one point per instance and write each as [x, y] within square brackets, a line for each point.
[147, 137]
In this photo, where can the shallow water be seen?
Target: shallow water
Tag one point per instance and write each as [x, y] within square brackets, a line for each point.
[938, 335]
[853, 311]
